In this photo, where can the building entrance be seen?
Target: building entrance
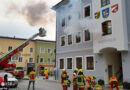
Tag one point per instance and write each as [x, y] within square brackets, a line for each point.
[113, 65]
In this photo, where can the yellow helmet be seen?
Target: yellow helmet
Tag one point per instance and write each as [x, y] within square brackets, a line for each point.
[76, 69]
[80, 70]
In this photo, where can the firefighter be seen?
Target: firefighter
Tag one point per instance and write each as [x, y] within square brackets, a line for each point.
[64, 79]
[81, 80]
[32, 77]
[46, 73]
[113, 82]
[75, 79]
[91, 81]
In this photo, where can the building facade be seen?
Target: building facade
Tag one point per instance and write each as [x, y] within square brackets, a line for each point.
[93, 35]
[27, 58]
[45, 54]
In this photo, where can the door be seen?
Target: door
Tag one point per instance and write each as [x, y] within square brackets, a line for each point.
[109, 71]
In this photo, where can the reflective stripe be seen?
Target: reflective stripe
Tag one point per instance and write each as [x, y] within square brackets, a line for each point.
[80, 80]
[64, 78]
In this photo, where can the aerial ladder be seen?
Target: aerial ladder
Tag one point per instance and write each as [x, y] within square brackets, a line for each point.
[4, 60]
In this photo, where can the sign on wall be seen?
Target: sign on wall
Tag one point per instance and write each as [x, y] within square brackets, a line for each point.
[105, 13]
[114, 8]
[97, 15]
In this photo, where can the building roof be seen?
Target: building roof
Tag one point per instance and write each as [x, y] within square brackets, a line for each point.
[63, 2]
[14, 38]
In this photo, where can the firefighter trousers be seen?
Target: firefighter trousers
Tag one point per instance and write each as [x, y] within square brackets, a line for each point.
[114, 83]
[75, 87]
[65, 87]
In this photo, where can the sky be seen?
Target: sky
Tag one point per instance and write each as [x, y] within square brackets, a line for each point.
[23, 18]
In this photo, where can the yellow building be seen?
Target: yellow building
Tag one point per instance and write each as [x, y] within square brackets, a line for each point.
[24, 59]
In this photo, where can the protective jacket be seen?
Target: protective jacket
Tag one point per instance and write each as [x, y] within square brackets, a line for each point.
[32, 76]
[64, 78]
[81, 81]
[74, 78]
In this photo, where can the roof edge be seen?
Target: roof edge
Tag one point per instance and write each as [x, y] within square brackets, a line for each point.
[58, 5]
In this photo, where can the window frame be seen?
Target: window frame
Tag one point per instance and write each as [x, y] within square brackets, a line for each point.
[102, 24]
[84, 11]
[84, 35]
[76, 61]
[59, 63]
[11, 47]
[50, 51]
[80, 38]
[19, 58]
[50, 61]
[61, 41]
[67, 63]
[41, 50]
[86, 62]
[32, 50]
[32, 60]
[65, 22]
[68, 40]
[40, 60]
[105, 3]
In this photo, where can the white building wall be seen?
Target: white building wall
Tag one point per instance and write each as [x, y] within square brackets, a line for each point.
[118, 38]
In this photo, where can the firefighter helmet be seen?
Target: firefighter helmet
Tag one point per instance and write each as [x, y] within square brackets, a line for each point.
[76, 69]
[80, 70]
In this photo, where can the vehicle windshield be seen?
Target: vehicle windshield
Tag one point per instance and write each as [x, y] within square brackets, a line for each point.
[3, 74]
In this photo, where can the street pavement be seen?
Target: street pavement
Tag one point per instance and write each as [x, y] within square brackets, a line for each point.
[42, 84]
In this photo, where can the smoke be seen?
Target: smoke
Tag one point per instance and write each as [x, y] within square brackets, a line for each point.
[34, 13]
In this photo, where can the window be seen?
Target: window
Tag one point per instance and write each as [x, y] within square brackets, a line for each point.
[87, 11]
[69, 39]
[21, 51]
[105, 2]
[49, 60]
[30, 60]
[69, 63]
[86, 35]
[70, 5]
[89, 63]
[69, 17]
[10, 48]
[42, 50]
[49, 50]
[61, 64]
[78, 37]
[41, 60]
[20, 59]
[31, 50]
[63, 41]
[106, 28]
[79, 62]
[63, 22]
[15, 57]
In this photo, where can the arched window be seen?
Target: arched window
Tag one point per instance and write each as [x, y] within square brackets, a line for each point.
[106, 28]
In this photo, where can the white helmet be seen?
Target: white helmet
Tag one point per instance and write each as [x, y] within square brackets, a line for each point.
[63, 70]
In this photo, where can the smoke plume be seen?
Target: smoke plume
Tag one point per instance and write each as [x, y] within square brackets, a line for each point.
[34, 13]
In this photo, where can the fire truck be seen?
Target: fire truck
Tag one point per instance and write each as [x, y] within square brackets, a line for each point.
[4, 60]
